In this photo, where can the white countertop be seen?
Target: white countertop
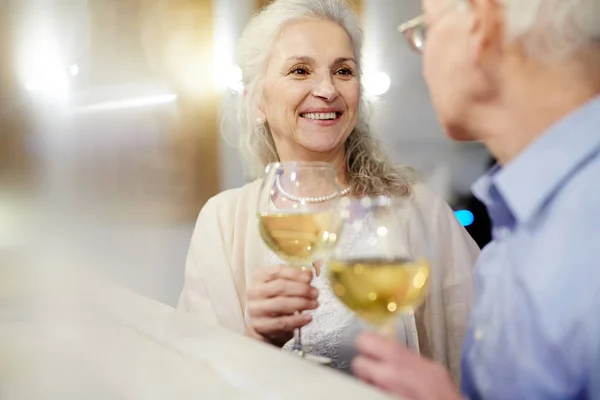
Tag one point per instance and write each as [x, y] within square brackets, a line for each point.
[67, 335]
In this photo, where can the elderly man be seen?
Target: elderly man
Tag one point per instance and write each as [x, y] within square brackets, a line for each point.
[523, 77]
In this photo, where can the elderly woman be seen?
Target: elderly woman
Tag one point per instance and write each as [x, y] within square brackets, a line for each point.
[301, 64]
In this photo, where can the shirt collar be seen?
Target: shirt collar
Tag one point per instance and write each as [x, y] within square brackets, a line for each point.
[532, 177]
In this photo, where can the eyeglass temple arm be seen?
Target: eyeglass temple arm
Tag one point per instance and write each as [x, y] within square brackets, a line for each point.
[413, 23]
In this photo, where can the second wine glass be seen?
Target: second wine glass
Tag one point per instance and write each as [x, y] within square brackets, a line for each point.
[376, 270]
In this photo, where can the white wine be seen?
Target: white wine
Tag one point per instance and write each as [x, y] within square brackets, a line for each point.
[377, 290]
[299, 238]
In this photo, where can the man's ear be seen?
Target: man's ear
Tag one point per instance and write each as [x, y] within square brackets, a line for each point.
[486, 33]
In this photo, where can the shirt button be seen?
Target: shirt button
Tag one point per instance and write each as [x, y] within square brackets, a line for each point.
[478, 334]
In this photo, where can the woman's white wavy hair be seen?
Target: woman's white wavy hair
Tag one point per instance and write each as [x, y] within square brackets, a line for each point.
[370, 172]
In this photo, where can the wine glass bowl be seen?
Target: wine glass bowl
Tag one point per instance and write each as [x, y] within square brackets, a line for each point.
[375, 270]
[298, 238]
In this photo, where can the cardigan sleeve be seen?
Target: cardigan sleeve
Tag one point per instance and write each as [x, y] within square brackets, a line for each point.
[209, 290]
[443, 319]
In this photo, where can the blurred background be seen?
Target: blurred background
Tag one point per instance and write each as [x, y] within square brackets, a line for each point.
[111, 133]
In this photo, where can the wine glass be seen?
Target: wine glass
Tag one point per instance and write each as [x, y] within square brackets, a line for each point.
[298, 216]
[379, 268]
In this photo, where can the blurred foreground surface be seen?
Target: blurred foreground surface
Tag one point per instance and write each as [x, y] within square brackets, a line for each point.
[69, 334]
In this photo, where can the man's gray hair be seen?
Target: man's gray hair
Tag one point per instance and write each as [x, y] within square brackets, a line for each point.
[554, 28]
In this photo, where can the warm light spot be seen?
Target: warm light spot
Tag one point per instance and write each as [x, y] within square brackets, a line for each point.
[419, 280]
[392, 306]
[377, 83]
[128, 103]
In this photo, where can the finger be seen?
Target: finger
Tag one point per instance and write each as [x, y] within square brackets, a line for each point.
[274, 326]
[282, 287]
[282, 272]
[251, 332]
[409, 375]
[382, 375]
[279, 306]
[379, 347]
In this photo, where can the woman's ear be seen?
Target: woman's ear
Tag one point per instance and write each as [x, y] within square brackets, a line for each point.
[260, 118]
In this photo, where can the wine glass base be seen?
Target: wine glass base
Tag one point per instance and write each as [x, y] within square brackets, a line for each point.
[312, 357]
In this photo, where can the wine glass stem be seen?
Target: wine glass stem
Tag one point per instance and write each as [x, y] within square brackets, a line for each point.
[388, 330]
[297, 347]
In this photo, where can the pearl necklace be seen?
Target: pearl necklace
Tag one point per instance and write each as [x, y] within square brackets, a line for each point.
[319, 199]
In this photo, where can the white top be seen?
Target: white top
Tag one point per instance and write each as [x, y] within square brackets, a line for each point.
[226, 247]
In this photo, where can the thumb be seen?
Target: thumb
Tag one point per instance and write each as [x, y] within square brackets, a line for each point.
[317, 265]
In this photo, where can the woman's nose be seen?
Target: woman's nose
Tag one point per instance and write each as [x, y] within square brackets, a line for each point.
[325, 89]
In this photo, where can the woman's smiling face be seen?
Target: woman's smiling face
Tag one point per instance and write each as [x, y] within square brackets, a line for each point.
[311, 91]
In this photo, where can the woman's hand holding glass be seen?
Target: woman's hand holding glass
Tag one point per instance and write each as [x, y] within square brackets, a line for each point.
[276, 299]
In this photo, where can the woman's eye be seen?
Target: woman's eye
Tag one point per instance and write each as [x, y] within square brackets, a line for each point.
[299, 71]
[345, 71]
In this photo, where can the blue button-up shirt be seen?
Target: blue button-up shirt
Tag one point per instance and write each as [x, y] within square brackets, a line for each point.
[535, 328]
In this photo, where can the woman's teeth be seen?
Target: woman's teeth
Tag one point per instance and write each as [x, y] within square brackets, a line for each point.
[319, 116]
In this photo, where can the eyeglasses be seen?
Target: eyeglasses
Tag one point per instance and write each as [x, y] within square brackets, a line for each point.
[415, 32]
